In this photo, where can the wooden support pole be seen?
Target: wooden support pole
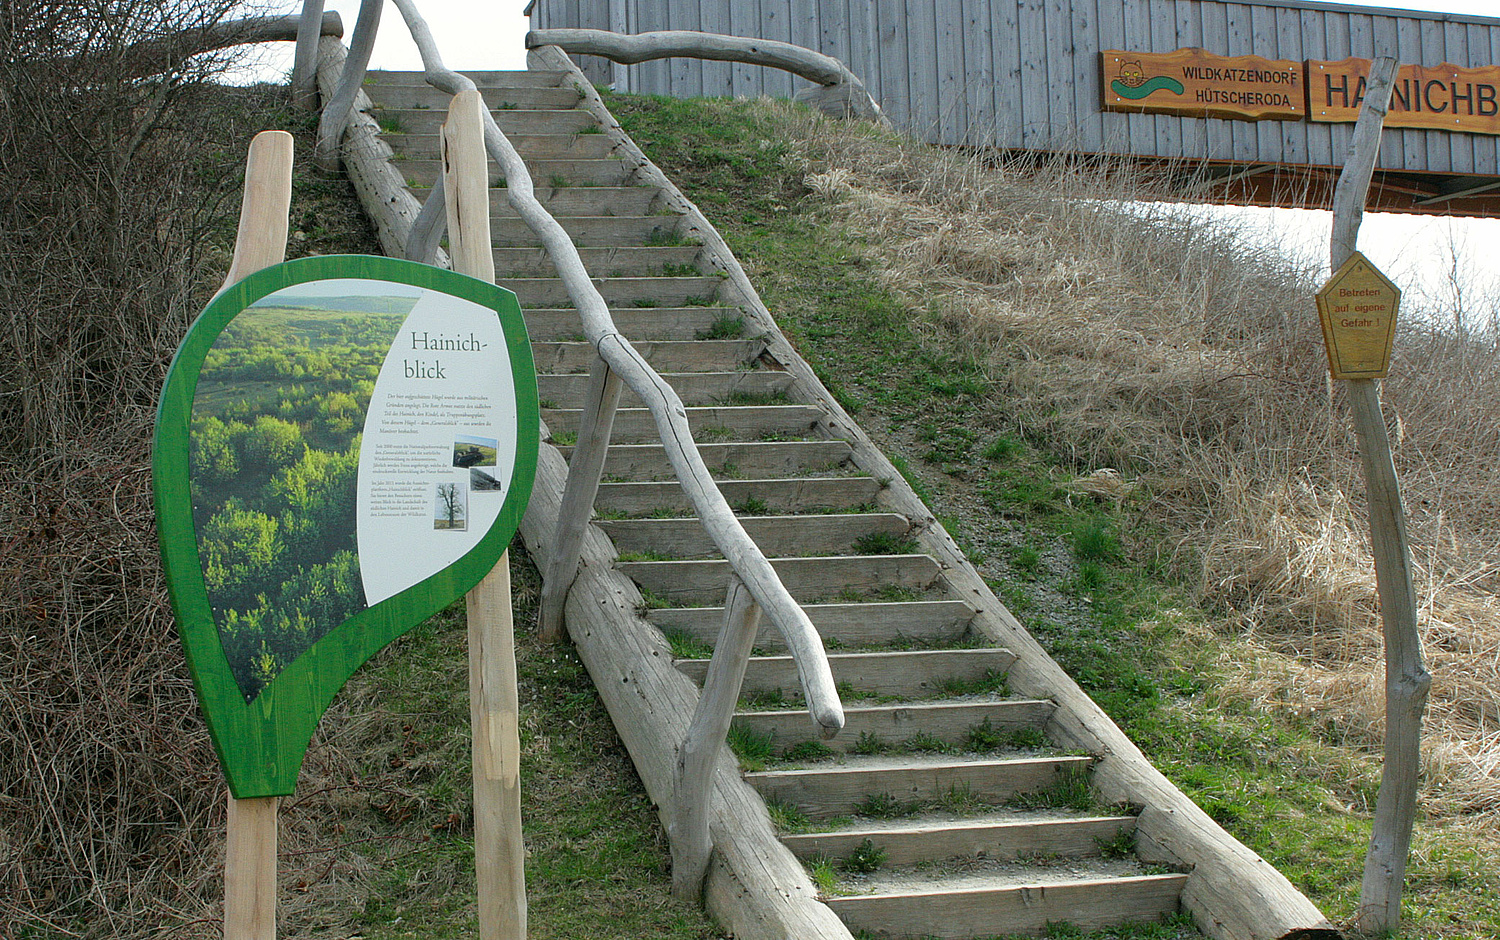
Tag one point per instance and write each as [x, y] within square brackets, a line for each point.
[494, 709]
[584, 471]
[250, 851]
[1406, 678]
[305, 65]
[691, 842]
[336, 108]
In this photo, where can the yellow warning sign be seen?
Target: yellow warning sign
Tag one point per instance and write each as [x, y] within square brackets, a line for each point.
[1358, 310]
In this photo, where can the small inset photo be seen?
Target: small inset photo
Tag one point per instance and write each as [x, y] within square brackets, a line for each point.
[450, 508]
[471, 451]
[482, 482]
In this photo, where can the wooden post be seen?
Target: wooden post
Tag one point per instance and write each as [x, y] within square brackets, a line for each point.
[250, 852]
[584, 471]
[1406, 678]
[336, 107]
[691, 843]
[305, 66]
[494, 710]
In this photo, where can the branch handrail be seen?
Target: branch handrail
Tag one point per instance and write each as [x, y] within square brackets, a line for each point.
[840, 86]
[754, 588]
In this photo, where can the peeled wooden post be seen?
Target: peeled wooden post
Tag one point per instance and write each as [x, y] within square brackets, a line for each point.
[494, 708]
[250, 845]
[691, 843]
[305, 65]
[428, 227]
[584, 470]
[336, 108]
[1406, 678]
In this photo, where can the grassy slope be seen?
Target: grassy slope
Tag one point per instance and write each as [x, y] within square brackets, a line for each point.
[1117, 620]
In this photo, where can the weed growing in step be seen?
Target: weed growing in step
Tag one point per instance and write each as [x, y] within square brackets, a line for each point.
[865, 859]
[788, 818]
[752, 748]
[885, 543]
[1073, 789]
[1120, 845]
[885, 806]
[824, 875]
[807, 751]
[724, 327]
[868, 743]
[686, 646]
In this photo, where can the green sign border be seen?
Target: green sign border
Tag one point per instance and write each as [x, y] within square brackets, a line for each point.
[261, 743]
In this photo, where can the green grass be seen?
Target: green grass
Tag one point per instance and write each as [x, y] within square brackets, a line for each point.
[724, 327]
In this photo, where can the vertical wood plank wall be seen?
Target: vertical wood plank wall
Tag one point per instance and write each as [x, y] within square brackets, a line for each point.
[1025, 73]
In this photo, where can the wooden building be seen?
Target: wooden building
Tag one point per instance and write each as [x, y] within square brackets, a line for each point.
[1032, 75]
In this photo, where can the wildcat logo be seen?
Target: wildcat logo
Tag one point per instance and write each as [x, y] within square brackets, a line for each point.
[1132, 83]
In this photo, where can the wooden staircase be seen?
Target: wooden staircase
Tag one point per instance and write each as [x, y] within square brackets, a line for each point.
[944, 809]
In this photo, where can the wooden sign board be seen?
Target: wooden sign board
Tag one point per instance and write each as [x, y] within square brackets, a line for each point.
[1198, 83]
[1442, 98]
[344, 447]
[1358, 309]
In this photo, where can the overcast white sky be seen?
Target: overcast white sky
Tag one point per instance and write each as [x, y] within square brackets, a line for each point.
[489, 34]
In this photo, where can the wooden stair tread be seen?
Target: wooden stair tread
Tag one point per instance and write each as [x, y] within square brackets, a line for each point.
[690, 579]
[1016, 835]
[1018, 908]
[705, 355]
[720, 422]
[531, 291]
[766, 459]
[606, 171]
[909, 673]
[892, 724]
[591, 231]
[860, 624]
[837, 789]
[570, 390]
[492, 78]
[775, 495]
[640, 324]
[777, 536]
[538, 146]
[607, 260]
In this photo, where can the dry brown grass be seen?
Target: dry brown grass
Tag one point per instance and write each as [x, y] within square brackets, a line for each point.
[1158, 341]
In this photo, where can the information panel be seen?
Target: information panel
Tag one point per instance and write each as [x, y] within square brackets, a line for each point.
[345, 446]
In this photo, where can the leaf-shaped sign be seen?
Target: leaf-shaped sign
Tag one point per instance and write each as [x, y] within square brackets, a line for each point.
[345, 445]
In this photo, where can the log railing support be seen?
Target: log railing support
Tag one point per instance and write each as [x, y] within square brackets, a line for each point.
[305, 64]
[691, 843]
[840, 91]
[584, 471]
[428, 227]
[1406, 678]
[336, 110]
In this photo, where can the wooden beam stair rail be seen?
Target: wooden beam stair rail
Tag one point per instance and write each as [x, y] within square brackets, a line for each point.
[1232, 893]
[840, 91]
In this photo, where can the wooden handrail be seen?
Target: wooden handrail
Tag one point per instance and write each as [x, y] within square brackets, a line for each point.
[336, 109]
[841, 91]
[166, 53]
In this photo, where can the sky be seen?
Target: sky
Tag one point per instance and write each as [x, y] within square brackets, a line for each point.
[1415, 251]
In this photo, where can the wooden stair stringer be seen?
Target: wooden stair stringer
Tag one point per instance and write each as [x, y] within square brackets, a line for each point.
[1231, 891]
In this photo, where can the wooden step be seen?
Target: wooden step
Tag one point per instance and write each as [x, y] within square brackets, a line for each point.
[949, 722]
[600, 261]
[837, 789]
[605, 231]
[637, 426]
[909, 843]
[851, 624]
[664, 291]
[557, 324]
[1017, 909]
[544, 172]
[776, 536]
[570, 390]
[507, 97]
[745, 459]
[717, 355]
[510, 121]
[562, 201]
[529, 146]
[911, 673]
[485, 80]
[707, 579]
[752, 497]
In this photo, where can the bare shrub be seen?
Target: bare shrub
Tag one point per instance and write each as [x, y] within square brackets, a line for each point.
[1157, 340]
[117, 200]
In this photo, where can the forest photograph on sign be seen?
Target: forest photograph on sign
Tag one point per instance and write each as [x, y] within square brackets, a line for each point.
[345, 446]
